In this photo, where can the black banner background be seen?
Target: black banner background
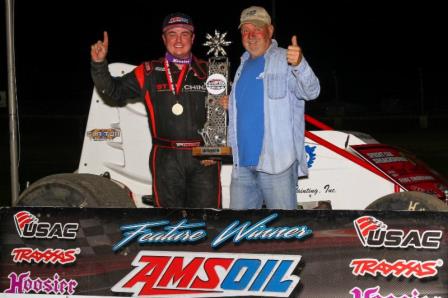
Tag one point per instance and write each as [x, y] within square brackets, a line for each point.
[324, 269]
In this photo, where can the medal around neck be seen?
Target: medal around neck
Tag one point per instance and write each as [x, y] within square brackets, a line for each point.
[214, 132]
[177, 109]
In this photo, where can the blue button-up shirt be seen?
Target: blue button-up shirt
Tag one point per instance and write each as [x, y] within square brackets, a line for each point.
[286, 88]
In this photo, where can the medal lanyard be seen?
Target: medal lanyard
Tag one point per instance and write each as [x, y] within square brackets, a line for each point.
[180, 80]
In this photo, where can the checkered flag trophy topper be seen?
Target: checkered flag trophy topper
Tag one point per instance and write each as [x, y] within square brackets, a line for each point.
[214, 132]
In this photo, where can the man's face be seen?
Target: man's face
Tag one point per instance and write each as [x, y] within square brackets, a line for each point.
[178, 42]
[256, 40]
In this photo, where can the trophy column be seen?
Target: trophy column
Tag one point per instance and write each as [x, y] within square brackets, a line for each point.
[214, 132]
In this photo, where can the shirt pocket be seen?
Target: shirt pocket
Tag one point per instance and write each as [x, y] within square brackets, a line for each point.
[276, 85]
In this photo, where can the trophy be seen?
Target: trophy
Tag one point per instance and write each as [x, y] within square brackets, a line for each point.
[214, 132]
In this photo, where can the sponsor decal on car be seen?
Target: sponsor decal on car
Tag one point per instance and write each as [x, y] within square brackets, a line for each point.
[197, 274]
[326, 189]
[399, 268]
[29, 226]
[310, 152]
[404, 168]
[375, 233]
[49, 255]
[104, 134]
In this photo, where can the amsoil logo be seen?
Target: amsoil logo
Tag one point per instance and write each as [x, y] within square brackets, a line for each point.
[28, 226]
[189, 274]
[375, 233]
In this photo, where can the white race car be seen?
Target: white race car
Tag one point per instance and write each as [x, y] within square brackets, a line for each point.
[347, 170]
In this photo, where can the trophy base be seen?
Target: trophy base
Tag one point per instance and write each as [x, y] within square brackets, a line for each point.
[212, 152]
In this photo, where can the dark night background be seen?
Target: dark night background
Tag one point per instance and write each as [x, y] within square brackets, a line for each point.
[382, 67]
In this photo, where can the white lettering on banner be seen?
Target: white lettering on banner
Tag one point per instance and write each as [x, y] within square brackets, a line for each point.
[182, 232]
[259, 231]
[375, 233]
[29, 226]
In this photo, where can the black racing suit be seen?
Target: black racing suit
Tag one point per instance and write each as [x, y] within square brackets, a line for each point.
[179, 180]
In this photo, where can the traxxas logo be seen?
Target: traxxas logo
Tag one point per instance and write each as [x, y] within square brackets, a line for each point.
[398, 268]
[189, 274]
[49, 255]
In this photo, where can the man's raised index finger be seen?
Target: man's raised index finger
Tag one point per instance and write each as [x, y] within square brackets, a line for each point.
[105, 39]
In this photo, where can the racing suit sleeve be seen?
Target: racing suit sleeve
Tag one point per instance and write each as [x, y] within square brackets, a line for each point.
[117, 88]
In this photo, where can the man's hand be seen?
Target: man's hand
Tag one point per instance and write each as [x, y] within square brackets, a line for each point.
[98, 51]
[294, 54]
[224, 101]
[208, 162]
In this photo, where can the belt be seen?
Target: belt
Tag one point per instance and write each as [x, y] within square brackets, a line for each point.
[176, 144]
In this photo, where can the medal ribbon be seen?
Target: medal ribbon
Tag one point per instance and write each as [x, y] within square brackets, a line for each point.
[175, 60]
[169, 77]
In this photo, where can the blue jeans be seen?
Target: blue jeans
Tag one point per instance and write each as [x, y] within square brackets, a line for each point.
[251, 188]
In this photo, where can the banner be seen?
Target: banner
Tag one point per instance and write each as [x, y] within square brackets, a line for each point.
[155, 252]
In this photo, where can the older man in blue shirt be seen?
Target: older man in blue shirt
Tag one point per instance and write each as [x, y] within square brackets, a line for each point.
[266, 117]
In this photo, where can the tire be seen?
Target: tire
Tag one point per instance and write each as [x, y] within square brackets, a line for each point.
[410, 201]
[76, 190]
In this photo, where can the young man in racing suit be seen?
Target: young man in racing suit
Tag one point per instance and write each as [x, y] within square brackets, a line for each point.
[174, 93]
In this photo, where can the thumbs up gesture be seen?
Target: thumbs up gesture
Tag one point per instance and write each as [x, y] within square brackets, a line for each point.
[294, 53]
